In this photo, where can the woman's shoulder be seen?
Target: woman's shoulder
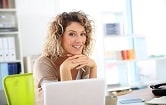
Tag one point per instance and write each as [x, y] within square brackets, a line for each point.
[43, 59]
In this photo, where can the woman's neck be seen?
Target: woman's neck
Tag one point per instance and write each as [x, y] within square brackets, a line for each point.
[60, 60]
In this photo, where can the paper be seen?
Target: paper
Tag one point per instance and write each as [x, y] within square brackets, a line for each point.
[160, 100]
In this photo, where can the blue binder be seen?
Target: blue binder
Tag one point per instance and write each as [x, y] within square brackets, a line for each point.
[3, 72]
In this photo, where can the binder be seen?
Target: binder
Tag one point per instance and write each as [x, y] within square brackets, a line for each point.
[12, 49]
[10, 68]
[29, 62]
[5, 3]
[1, 50]
[14, 68]
[0, 78]
[5, 49]
[18, 68]
[1, 4]
[4, 70]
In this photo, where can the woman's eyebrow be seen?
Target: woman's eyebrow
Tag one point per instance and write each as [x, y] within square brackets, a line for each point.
[76, 31]
[72, 30]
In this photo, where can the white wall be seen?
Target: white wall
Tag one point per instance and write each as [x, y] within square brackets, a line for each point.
[149, 18]
[33, 17]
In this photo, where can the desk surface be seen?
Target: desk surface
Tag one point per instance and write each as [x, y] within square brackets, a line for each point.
[145, 94]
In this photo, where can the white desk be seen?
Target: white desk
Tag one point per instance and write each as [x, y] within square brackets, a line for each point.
[145, 94]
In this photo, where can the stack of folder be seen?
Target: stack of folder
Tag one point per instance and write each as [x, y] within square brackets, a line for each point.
[9, 69]
[7, 49]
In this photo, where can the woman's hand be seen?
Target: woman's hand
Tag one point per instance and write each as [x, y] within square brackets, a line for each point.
[80, 61]
[77, 62]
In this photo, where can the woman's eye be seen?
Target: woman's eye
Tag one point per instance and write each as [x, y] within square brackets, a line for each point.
[83, 34]
[72, 34]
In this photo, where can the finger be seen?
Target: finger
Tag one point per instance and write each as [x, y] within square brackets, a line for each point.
[80, 66]
[79, 62]
[72, 57]
[69, 55]
[80, 56]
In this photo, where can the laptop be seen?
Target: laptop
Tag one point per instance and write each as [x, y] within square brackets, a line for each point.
[75, 92]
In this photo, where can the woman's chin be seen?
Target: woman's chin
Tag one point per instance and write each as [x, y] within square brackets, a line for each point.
[76, 53]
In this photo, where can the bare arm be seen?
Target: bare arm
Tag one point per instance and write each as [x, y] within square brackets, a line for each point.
[65, 74]
[93, 71]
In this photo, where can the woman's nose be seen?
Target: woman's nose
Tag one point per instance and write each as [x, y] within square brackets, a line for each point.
[78, 39]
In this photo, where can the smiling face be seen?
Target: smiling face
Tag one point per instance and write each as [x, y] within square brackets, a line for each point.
[74, 38]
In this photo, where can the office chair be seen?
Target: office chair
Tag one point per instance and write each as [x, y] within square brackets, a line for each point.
[19, 89]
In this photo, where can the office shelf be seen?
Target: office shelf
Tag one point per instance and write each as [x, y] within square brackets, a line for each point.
[11, 58]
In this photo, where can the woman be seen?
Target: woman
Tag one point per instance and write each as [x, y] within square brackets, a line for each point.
[65, 53]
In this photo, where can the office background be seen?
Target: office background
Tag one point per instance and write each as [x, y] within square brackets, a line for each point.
[141, 17]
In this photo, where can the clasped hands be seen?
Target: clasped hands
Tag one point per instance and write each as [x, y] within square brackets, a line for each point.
[77, 62]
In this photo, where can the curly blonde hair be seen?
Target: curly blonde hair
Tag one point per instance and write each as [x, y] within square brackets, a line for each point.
[52, 47]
